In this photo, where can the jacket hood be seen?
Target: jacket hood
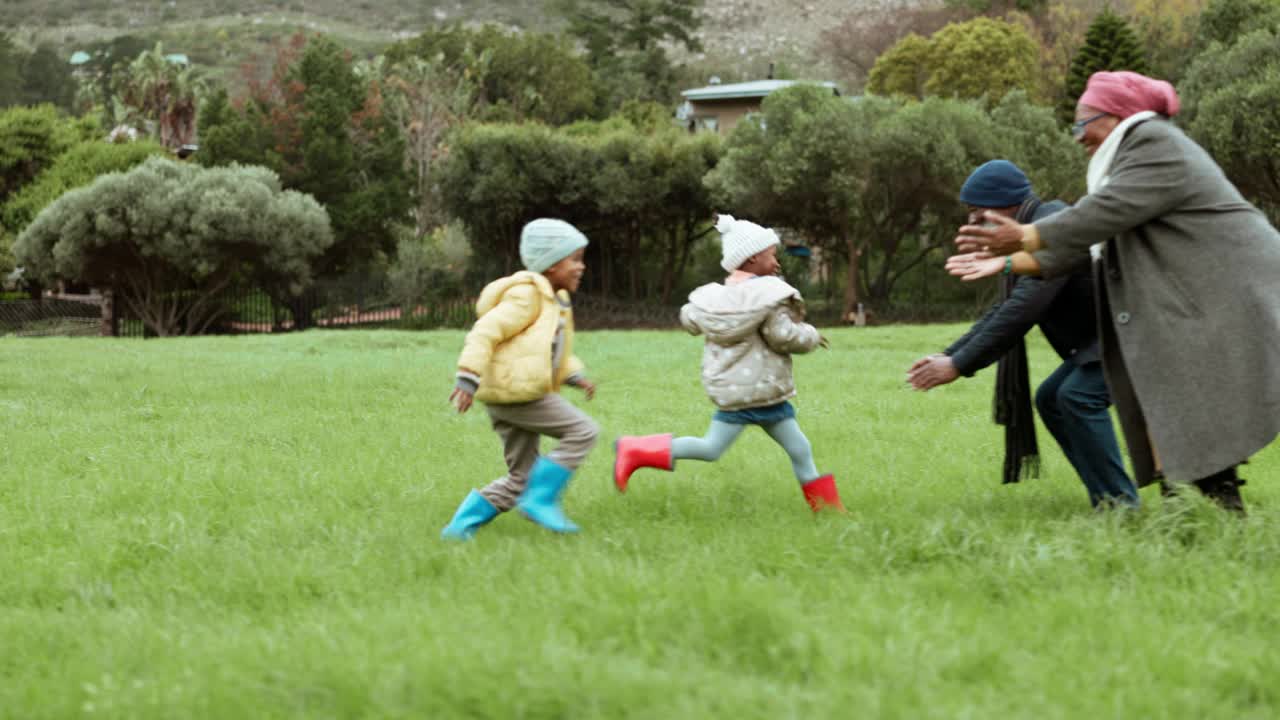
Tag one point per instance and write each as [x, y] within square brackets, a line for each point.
[728, 314]
[493, 292]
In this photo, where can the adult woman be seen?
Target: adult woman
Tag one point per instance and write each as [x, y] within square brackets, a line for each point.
[1189, 303]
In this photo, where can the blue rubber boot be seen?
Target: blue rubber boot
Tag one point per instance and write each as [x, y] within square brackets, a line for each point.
[472, 513]
[540, 501]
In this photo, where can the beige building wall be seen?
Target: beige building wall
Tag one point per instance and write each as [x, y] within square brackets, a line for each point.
[726, 112]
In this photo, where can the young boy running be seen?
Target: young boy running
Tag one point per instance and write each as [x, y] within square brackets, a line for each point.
[514, 361]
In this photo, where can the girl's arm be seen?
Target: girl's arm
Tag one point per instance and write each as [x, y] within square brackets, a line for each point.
[785, 333]
[687, 320]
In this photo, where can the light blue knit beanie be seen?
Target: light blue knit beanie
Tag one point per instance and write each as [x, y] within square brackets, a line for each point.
[545, 242]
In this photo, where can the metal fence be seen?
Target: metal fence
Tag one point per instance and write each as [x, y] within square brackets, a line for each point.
[362, 303]
[50, 317]
[365, 304]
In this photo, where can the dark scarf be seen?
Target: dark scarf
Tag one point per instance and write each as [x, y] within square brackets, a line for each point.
[1012, 406]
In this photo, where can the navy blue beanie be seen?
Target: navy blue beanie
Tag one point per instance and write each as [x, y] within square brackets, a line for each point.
[996, 184]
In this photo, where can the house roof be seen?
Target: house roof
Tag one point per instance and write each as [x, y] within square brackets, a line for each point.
[753, 89]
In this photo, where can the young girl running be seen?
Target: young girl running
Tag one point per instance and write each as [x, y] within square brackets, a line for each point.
[753, 323]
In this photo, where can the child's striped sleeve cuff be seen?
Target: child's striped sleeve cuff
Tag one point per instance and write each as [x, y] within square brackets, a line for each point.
[467, 382]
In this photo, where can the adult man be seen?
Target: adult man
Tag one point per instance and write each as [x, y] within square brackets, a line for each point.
[1073, 401]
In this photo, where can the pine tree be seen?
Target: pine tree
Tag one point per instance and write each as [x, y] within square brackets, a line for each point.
[1109, 44]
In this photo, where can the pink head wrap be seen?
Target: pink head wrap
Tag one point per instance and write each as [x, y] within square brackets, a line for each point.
[1127, 93]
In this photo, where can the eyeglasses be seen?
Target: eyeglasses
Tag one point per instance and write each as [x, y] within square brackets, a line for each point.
[1077, 127]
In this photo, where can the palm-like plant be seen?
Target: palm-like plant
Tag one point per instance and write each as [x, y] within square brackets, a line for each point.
[164, 94]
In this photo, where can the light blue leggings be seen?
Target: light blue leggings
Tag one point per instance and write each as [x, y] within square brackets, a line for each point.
[721, 435]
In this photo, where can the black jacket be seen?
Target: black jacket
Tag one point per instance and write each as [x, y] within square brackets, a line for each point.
[1062, 307]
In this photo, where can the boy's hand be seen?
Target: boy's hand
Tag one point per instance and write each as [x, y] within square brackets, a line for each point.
[823, 342]
[587, 387]
[461, 399]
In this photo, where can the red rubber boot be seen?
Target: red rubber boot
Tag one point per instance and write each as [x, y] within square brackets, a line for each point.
[633, 452]
[821, 494]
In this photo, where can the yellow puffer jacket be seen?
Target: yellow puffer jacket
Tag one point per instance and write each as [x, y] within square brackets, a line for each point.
[509, 348]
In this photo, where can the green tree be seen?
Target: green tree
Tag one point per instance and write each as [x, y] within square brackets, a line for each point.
[1031, 136]
[74, 168]
[903, 69]
[981, 57]
[1110, 44]
[625, 42]
[77, 167]
[168, 238]
[801, 164]
[609, 26]
[31, 138]
[46, 78]
[1224, 21]
[918, 156]
[11, 58]
[874, 183]
[426, 99]
[1224, 89]
[34, 143]
[107, 60]
[235, 133]
[853, 45]
[429, 268]
[520, 76]
[648, 195]
[162, 95]
[323, 128]
[637, 192]
[498, 177]
[1168, 32]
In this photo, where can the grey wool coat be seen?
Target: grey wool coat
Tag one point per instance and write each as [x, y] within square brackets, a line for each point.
[1188, 308]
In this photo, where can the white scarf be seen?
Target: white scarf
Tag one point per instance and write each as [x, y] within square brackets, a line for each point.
[1100, 164]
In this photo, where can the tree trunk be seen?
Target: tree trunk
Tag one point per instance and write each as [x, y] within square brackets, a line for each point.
[110, 326]
[606, 262]
[851, 279]
[669, 267]
[633, 255]
[301, 307]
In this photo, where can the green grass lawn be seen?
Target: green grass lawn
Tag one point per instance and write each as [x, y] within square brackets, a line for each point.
[249, 527]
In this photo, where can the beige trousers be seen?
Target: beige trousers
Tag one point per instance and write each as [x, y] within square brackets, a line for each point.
[520, 426]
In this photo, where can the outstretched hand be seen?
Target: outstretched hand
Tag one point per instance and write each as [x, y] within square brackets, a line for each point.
[921, 363]
[461, 399]
[931, 372]
[974, 266]
[587, 387]
[999, 235]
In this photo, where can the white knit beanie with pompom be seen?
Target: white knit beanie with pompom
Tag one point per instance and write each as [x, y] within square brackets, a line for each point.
[740, 239]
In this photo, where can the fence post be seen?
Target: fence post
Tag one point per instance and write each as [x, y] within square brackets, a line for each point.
[110, 326]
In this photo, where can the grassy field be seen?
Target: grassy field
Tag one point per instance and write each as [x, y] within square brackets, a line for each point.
[248, 527]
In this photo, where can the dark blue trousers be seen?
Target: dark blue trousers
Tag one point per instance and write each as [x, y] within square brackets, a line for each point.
[1073, 404]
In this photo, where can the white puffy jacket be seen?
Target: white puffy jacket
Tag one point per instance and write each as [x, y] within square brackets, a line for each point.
[752, 328]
